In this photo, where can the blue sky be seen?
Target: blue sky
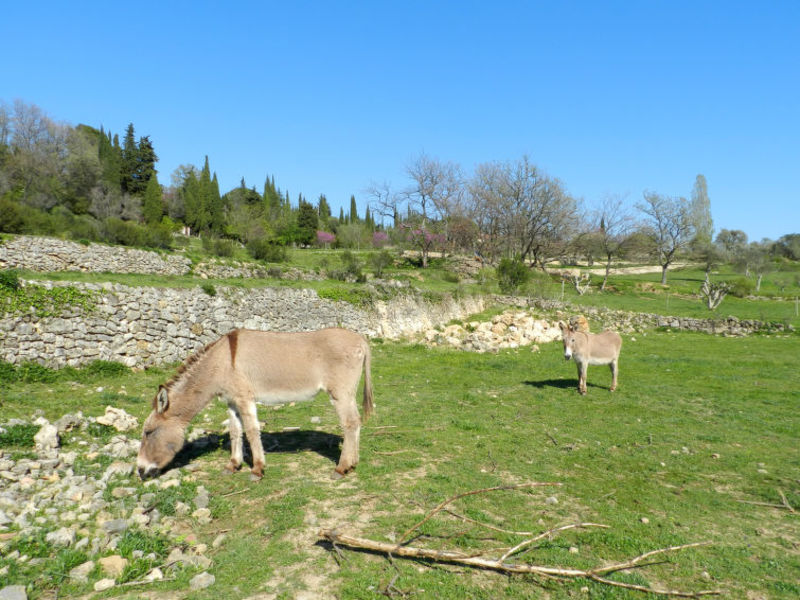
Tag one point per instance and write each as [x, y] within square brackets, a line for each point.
[613, 98]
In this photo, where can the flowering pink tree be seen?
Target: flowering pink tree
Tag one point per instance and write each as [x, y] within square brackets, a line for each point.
[380, 239]
[426, 241]
[325, 239]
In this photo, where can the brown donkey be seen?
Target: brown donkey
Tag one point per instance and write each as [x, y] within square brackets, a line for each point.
[590, 349]
[244, 367]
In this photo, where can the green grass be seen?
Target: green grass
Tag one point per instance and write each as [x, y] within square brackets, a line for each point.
[701, 430]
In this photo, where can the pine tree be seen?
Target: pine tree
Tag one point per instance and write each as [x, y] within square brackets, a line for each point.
[153, 204]
[353, 216]
[129, 160]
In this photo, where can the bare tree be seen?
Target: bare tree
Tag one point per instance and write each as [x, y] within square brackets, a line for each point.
[385, 201]
[436, 191]
[671, 224]
[523, 209]
[610, 224]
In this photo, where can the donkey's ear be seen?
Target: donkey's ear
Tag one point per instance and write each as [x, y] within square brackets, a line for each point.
[562, 325]
[162, 400]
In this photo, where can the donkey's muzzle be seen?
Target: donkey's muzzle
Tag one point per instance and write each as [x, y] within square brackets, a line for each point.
[147, 472]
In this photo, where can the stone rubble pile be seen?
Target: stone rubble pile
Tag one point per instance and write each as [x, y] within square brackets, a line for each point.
[511, 329]
[87, 498]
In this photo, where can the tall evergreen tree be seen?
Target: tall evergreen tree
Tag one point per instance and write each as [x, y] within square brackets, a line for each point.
[153, 204]
[701, 212]
[129, 160]
[307, 223]
[323, 209]
[353, 216]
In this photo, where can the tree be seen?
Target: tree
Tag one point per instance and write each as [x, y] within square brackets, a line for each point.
[733, 242]
[522, 211]
[613, 223]
[671, 225]
[307, 223]
[701, 212]
[153, 203]
[129, 161]
[385, 202]
[352, 217]
[323, 210]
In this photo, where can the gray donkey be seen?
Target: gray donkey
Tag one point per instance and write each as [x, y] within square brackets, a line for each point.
[590, 349]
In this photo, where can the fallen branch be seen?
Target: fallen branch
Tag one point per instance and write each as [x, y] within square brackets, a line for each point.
[596, 574]
[441, 505]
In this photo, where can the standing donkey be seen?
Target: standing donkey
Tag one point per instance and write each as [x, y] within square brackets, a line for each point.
[245, 367]
[589, 349]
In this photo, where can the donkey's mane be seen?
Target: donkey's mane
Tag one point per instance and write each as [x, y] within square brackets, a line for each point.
[189, 363]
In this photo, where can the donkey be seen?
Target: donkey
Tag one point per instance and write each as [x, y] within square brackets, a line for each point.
[244, 367]
[590, 349]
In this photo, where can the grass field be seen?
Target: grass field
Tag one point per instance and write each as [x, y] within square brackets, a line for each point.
[701, 436]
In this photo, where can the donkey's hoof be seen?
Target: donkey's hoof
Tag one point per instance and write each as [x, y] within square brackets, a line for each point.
[255, 476]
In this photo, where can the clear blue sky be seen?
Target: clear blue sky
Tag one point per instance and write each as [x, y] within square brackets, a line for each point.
[610, 97]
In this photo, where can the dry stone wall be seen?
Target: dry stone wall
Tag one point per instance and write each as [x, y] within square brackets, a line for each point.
[140, 326]
[44, 254]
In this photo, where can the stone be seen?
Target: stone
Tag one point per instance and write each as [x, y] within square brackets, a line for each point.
[201, 581]
[114, 565]
[13, 592]
[46, 438]
[118, 419]
[104, 584]
[115, 526]
[81, 572]
[61, 537]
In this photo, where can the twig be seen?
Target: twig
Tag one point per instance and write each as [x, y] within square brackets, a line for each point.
[144, 582]
[392, 453]
[444, 503]
[552, 439]
[546, 534]
[785, 502]
[486, 525]
[234, 493]
[460, 558]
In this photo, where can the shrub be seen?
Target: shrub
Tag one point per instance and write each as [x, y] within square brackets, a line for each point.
[209, 289]
[352, 266]
[511, 275]
[9, 279]
[219, 246]
[267, 250]
[742, 287]
[11, 217]
[379, 261]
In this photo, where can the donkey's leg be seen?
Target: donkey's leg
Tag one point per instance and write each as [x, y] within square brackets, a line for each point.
[582, 379]
[614, 371]
[235, 426]
[253, 433]
[347, 409]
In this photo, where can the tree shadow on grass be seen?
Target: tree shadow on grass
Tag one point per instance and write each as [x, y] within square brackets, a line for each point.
[287, 442]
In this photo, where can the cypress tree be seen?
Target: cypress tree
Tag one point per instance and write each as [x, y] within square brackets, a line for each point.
[153, 204]
[353, 217]
[129, 160]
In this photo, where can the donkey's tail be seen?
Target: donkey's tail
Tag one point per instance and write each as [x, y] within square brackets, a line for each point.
[368, 406]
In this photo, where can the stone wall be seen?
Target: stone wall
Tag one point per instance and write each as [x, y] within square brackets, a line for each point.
[146, 326]
[51, 254]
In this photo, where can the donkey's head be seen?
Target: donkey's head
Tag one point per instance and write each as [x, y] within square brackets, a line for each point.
[162, 437]
[568, 336]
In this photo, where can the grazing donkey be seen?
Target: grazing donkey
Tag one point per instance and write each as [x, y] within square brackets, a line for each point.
[590, 349]
[245, 367]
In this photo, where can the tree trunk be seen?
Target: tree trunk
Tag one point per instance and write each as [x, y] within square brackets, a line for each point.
[664, 274]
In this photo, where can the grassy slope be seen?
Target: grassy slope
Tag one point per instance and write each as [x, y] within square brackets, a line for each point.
[449, 422]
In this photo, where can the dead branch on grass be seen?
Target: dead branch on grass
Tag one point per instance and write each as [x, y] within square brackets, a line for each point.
[478, 559]
[784, 503]
[450, 556]
[441, 505]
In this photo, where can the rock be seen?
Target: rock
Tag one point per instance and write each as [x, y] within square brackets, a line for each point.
[115, 526]
[113, 565]
[154, 575]
[46, 438]
[203, 515]
[81, 572]
[61, 537]
[103, 585]
[201, 581]
[13, 592]
[118, 419]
